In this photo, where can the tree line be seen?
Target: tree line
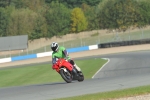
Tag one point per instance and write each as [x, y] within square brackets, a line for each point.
[48, 18]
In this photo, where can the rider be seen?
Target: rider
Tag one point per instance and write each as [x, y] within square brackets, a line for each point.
[61, 52]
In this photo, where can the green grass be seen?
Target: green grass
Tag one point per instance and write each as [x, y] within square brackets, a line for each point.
[44, 74]
[112, 94]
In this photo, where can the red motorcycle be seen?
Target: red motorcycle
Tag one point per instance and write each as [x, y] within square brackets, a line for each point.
[67, 71]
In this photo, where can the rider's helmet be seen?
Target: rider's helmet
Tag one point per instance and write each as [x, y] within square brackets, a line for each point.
[54, 46]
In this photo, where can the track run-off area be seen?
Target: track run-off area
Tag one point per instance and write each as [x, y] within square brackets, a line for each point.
[123, 70]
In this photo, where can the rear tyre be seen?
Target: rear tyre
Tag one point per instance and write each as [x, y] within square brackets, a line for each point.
[66, 76]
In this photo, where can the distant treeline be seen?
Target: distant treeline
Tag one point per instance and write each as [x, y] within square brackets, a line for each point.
[48, 18]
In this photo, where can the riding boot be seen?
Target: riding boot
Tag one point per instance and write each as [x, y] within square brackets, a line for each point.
[78, 69]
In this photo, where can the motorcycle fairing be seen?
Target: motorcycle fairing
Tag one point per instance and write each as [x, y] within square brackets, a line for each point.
[62, 63]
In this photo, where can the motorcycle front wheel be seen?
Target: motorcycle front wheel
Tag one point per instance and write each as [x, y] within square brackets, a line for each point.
[66, 76]
[81, 77]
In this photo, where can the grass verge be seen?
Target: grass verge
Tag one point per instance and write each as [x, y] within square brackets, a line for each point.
[112, 94]
[44, 74]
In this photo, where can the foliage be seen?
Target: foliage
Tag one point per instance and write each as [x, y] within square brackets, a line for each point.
[25, 21]
[92, 2]
[34, 4]
[58, 19]
[4, 19]
[16, 3]
[21, 22]
[48, 18]
[91, 14]
[75, 3]
[144, 10]
[119, 14]
[40, 28]
[78, 20]
[4, 3]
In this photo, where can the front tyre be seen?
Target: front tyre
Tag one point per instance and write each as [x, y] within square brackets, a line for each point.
[66, 76]
[81, 77]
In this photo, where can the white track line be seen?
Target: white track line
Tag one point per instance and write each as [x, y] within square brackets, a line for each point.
[102, 66]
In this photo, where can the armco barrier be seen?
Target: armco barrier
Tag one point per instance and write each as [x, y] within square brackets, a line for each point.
[123, 43]
[23, 57]
[4, 60]
[44, 54]
[31, 56]
[78, 49]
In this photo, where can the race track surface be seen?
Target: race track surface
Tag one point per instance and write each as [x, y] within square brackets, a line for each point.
[125, 70]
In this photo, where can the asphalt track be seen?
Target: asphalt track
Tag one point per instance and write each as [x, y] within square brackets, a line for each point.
[124, 70]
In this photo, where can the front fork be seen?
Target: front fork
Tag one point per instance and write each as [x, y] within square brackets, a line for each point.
[75, 74]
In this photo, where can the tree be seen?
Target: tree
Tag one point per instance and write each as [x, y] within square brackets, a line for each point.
[34, 4]
[75, 3]
[25, 21]
[58, 19]
[92, 2]
[78, 20]
[118, 14]
[5, 3]
[91, 15]
[18, 3]
[40, 28]
[144, 13]
[4, 19]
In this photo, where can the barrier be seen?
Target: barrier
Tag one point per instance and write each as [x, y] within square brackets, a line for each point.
[23, 57]
[124, 43]
[4, 60]
[44, 54]
[78, 49]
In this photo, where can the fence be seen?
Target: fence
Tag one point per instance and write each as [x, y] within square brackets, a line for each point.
[79, 40]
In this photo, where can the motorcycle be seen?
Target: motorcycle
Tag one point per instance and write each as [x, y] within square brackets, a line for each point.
[67, 71]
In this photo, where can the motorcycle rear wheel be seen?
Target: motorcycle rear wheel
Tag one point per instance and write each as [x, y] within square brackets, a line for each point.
[66, 76]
